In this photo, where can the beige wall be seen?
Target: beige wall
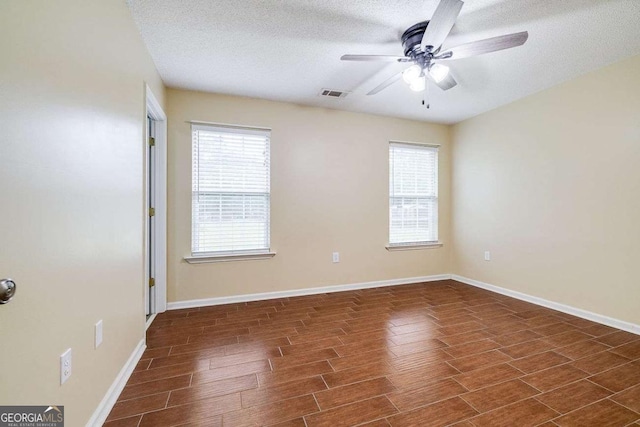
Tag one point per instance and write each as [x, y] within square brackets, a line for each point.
[551, 186]
[72, 76]
[329, 192]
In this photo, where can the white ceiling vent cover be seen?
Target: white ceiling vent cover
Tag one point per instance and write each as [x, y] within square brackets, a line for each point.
[332, 93]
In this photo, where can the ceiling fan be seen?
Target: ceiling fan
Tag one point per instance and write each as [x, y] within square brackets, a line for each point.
[422, 45]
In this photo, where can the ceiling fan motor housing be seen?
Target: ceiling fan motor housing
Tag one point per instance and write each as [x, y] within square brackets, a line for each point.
[412, 38]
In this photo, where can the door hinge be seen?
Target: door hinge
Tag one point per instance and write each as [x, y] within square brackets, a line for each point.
[152, 212]
[152, 141]
[152, 282]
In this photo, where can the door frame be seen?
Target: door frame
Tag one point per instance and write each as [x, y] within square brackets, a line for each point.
[155, 111]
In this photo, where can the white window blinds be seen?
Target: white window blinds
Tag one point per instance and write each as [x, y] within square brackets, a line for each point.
[231, 190]
[413, 194]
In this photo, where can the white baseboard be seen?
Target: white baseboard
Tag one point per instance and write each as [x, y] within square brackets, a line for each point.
[578, 312]
[102, 411]
[300, 292]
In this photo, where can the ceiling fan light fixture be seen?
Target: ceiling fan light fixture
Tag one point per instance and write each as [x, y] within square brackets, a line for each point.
[438, 72]
[411, 73]
[419, 84]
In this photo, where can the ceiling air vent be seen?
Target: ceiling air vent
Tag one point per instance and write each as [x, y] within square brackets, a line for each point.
[332, 93]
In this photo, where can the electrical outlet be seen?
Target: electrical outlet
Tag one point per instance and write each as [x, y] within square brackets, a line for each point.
[336, 257]
[487, 256]
[98, 333]
[65, 366]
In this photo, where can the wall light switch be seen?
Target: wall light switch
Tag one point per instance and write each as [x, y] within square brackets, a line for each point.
[487, 256]
[65, 366]
[336, 257]
[98, 333]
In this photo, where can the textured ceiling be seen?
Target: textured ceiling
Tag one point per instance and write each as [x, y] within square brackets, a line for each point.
[289, 50]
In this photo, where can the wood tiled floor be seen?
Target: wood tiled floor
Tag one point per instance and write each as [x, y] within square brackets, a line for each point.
[434, 354]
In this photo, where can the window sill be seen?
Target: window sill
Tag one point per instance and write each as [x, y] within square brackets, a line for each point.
[414, 247]
[203, 259]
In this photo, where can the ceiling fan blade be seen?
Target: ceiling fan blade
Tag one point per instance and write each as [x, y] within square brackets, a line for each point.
[391, 80]
[441, 24]
[384, 58]
[481, 47]
[446, 83]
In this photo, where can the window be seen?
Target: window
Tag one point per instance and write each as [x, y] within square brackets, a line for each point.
[231, 191]
[413, 194]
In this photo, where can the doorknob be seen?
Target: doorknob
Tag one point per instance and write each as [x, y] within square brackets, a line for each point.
[7, 290]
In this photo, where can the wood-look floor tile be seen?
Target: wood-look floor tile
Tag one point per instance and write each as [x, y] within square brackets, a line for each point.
[554, 329]
[361, 347]
[421, 346]
[142, 365]
[282, 391]
[416, 347]
[156, 342]
[573, 396]
[353, 392]
[555, 377]
[426, 326]
[419, 377]
[302, 358]
[153, 387]
[469, 349]
[461, 328]
[629, 398]
[437, 414]
[618, 338]
[359, 359]
[353, 414]
[268, 378]
[168, 371]
[525, 413]
[272, 413]
[598, 330]
[150, 353]
[297, 422]
[124, 422]
[540, 361]
[200, 346]
[600, 362]
[479, 361]
[288, 350]
[436, 391]
[267, 345]
[620, 378]
[519, 337]
[399, 319]
[566, 338]
[236, 359]
[360, 373]
[160, 362]
[212, 389]
[139, 405]
[197, 411]
[465, 337]
[581, 349]
[602, 414]
[416, 360]
[498, 395]
[225, 372]
[377, 423]
[630, 350]
[488, 376]
[528, 348]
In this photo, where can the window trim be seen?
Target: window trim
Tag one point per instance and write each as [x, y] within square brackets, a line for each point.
[222, 257]
[406, 246]
[241, 255]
